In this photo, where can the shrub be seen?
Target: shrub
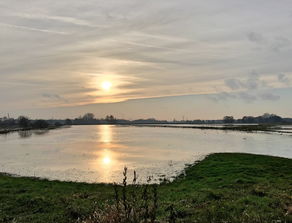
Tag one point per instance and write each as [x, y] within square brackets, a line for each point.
[132, 204]
[40, 124]
[23, 121]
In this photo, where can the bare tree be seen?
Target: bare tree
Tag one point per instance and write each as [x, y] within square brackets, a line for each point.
[88, 116]
[228, 119]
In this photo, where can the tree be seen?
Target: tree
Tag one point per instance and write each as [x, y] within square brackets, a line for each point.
[270, 118]
[58, 124]
[40, 124]
[228, 119]
[88, 116]
[248, 119]
[110, 119]
[7, 122]
[23, 121]
[68, 121]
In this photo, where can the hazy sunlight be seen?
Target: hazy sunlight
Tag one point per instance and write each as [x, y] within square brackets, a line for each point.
[106, 85]
[106, 160]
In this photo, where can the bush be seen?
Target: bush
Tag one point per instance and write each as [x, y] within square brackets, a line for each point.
[40, 124]
[23, 122]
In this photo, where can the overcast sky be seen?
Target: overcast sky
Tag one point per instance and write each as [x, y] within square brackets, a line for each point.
[165, 59]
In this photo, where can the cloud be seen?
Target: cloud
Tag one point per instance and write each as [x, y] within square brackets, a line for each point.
[247, 97]
[273, 43]
[283, 79]
[280, 43]
[63, 19]
[253, 82]
[222, 96]
[53, 96]
[32, 29]
[149, 48]
[255, 37]
[250, 88]
[233, 84]
[270, 97]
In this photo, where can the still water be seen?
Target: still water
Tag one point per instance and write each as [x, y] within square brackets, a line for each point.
[99, 153]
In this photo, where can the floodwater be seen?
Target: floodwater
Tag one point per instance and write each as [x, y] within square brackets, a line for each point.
[99, 153]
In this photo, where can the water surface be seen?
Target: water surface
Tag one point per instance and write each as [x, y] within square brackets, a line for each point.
[99, 153]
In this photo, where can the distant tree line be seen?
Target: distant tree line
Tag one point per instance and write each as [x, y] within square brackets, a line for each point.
[26, 123]
[265, 118]
[90, 119]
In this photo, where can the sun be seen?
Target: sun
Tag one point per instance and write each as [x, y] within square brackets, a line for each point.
[106, 160]
[106, 85]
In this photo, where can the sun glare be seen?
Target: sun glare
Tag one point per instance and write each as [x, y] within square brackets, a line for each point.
[106, 160]
[106, 85]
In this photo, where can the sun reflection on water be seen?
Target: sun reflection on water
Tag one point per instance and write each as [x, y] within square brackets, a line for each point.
[106, 159]
[106, 140]
[107, 154]
[105, 133]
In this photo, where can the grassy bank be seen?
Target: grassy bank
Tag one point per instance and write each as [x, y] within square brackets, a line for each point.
[223, 187]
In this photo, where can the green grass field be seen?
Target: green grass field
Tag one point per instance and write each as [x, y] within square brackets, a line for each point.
[225, 187]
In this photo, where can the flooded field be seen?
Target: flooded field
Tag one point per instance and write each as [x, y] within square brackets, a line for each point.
[99, 153]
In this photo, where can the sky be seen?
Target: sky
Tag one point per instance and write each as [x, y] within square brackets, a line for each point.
[163, 59]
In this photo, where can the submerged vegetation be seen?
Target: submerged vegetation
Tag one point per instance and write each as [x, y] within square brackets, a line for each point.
[225, 187]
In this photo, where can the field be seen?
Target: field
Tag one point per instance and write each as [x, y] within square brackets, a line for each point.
[224, 187]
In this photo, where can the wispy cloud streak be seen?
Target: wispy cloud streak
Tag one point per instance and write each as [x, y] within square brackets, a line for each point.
[32, 29]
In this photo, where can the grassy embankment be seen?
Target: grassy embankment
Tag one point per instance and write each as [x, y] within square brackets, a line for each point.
[223, 187]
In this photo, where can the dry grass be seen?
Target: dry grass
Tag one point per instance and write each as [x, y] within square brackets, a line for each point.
[132, 204]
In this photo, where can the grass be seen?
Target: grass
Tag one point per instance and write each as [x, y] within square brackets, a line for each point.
[225, 187]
